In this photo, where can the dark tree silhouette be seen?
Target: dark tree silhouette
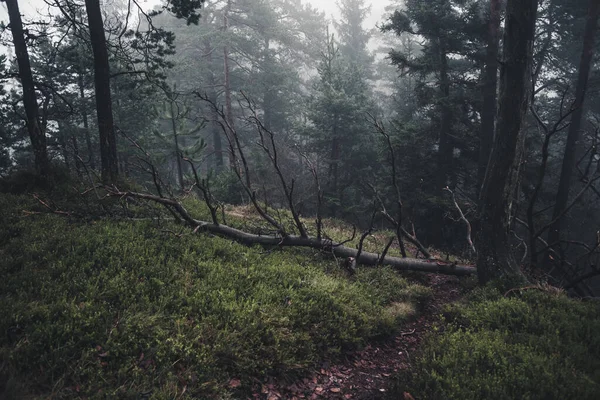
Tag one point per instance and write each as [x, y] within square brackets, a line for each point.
[108, 141]
[495, 259]
[37, 136]
[571, 148]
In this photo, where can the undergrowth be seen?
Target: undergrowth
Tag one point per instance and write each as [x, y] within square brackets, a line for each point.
[527, 345]
[98, 308]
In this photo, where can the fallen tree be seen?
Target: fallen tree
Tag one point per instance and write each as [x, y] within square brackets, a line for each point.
[287, 240]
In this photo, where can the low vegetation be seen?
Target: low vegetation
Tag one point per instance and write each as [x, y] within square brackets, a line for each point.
[105, 308]
[529, 344]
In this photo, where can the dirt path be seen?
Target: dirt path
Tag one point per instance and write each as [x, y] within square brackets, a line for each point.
[367, 374]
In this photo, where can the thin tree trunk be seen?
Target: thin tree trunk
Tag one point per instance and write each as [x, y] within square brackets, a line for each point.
[108, 142]
[76, 155]
[36, 135]
[228, 106]
[568, 165]
[176, 143]
[445, 145]
[212, 95]
[334, 167]
[86, 124]
[495, 259]
[268, 96]
[490, 84]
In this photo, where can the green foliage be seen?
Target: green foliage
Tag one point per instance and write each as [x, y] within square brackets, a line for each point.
[528, 345]
[109, 309]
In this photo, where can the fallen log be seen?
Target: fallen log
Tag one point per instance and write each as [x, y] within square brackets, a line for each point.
[365, 258]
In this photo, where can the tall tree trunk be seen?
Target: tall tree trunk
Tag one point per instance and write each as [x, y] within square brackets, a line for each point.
[36, 134]
[76, 154]
[490, 78]
[212, 95]
[268, 96]
[176, 143]
[495, 259]
[86, 124]
[445, 145]
[334, 162]
[108, 142]
[569, 158]
[228, 106]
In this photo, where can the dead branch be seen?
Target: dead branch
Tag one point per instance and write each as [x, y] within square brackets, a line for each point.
[549, 132]
[53, 210]
[399, 228]
[270, 150]
[463, 218]
[366, 258]
[205, 189]
[385, 251]
[313, 170]
[364, 235]
[244, 179]
[381, 129]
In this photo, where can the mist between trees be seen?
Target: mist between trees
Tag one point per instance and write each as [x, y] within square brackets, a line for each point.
[472, 128]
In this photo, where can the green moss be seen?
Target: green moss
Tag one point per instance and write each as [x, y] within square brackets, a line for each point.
[532, 345]
[105, 309]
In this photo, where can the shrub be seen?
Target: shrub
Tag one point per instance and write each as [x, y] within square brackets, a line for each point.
[107, 309]
[533, 345]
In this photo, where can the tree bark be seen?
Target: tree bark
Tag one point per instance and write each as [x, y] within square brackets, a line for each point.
[490, 84]
[36, 134]
[495, 259]
[569, 158]
[108, 142]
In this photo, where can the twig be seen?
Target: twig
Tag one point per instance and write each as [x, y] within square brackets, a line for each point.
[464, 219]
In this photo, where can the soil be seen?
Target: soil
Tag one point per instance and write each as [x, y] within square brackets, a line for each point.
[368, 374]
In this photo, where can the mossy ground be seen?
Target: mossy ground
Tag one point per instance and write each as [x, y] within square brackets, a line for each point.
[529, 344]
[99, 308]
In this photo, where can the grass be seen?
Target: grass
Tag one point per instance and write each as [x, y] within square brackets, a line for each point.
[99, 308]
[527, 345]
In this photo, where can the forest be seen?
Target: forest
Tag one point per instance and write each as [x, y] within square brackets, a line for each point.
[293, 199]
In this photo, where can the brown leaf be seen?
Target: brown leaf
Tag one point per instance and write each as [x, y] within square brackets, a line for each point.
[235, 383]
[335, 390]
[407, 396]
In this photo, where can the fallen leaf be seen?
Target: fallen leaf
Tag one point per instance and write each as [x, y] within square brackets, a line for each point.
[335, 390]
[235, 383]
[407, 396]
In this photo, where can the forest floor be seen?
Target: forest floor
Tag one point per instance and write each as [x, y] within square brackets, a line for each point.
[368, 374]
